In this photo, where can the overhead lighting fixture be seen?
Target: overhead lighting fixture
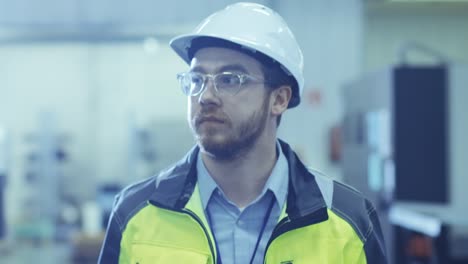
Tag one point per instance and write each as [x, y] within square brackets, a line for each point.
[429, 1]
[151, 45]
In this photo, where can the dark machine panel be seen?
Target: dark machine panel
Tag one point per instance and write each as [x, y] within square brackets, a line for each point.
[420, 134]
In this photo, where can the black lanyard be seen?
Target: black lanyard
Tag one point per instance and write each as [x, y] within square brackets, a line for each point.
[264, 224]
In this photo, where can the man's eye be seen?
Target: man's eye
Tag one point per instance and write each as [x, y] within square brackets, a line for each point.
[197, 79]
[228, 79]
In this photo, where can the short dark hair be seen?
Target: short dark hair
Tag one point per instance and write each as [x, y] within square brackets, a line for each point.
[273, 72]
[275, 77]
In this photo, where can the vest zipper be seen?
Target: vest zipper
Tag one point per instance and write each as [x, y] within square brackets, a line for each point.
[199, 221]
[196, 218]
[277, 233]
[287, 224]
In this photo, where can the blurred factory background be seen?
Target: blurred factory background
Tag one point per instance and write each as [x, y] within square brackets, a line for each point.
[89, 103]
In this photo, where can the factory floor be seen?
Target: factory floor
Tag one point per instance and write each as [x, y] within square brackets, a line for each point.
[41, 253]
[20, 253]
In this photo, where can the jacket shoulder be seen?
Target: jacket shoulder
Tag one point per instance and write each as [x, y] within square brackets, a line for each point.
[352, 206]
[355, 208]
[132, 199]
[163, 188]
[347, 202]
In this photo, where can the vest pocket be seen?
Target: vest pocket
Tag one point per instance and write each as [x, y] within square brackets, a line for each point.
[146, 253]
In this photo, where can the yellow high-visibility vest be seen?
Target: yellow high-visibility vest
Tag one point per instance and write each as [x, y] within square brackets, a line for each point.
[161, 220]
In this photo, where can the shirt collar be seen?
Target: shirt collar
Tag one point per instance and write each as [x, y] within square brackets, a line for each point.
[206, 183]
[277, 183]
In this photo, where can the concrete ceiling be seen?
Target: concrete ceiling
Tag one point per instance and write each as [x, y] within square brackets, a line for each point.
[416, 7]
[120, 20]
[48, 20]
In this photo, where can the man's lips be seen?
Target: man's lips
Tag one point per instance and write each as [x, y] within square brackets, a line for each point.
[209, 119]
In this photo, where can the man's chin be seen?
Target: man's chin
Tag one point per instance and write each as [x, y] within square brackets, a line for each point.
[217, 148]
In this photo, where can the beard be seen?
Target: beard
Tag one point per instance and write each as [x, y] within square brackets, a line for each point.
[230, 140]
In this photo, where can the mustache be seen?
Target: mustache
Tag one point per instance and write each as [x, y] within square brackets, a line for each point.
[210, 114]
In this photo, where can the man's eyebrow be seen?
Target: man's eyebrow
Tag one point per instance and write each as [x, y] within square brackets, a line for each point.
[197, 69]
[225, 68]
[233, 68]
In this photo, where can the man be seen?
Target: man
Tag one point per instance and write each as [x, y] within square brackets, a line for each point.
[241, 195]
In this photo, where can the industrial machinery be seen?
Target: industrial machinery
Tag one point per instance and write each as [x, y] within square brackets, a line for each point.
[405, 146]
[3, 178]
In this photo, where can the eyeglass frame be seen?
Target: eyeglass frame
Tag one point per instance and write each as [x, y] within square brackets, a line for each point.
[243, 77]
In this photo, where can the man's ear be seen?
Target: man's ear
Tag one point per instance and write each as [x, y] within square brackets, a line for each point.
[280, 99]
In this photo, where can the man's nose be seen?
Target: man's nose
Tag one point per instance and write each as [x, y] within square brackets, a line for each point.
[209, 93]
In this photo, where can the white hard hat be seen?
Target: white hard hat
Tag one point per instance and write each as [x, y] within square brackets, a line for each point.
[257, 28]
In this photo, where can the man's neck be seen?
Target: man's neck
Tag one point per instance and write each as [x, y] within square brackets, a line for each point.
[243, 178]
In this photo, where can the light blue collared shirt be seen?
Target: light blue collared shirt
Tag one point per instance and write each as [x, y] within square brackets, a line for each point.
[237, 230]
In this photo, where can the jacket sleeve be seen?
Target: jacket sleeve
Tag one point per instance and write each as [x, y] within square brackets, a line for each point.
[374, 246]
[110, 250]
